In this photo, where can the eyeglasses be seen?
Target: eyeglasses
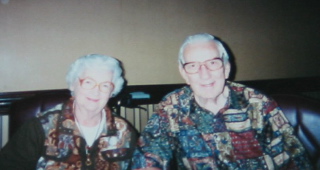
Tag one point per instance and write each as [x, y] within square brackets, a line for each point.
[88, 83]
[212, 64]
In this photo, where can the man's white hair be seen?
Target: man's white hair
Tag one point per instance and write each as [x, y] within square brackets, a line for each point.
[203, 37]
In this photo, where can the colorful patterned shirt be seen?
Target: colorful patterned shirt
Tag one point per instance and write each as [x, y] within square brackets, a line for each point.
[250, 132]
[53, 141]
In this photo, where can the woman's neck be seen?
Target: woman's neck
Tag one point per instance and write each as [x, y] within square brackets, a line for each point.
[88, 119]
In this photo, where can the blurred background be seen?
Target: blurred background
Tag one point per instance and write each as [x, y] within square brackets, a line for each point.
[39, 39]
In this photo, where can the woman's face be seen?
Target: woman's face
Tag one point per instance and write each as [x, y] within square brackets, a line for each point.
[92, 90]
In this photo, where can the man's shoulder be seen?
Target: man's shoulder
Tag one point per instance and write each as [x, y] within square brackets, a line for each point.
[238, 87]
[177, 94]
[246, 92]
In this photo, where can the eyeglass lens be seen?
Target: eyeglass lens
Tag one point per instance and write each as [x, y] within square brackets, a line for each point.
[88, 83]
[213, 64]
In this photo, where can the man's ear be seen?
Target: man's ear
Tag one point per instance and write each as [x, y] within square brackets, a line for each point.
[227, 69]
[184, 74]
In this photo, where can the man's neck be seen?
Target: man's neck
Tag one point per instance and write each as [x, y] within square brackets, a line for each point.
[214, 104]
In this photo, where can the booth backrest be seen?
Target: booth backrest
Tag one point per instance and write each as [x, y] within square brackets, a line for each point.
[26, 109]
[304, 115]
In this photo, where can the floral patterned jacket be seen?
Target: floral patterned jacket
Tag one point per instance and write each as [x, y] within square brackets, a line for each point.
[58, 144]
[250, 132]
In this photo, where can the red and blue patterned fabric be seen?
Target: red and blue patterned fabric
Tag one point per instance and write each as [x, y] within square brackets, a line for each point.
[250, 132]
[53, 141]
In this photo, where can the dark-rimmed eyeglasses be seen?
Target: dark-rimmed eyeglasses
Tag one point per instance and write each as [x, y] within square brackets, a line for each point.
[212, 65]
[89, 83]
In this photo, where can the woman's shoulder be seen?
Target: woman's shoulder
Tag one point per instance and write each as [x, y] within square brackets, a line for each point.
[123, 125]
[119, 119]
[54, 110]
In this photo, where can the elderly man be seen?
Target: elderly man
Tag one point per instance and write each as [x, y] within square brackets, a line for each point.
[216, 124]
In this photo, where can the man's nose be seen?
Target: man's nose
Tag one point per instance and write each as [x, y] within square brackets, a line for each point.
[204, 71]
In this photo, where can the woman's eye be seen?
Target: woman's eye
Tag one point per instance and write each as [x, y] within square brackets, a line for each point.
[105, 85]
[88, 82]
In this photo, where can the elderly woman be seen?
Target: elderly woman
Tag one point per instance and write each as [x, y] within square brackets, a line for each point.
[82, 133]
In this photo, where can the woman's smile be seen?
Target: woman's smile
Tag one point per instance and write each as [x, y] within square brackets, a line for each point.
[92, 99]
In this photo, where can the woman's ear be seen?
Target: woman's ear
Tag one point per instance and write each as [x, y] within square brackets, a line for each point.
[72, 87]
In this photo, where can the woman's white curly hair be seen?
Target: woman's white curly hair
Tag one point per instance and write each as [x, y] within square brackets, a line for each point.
[96, 61]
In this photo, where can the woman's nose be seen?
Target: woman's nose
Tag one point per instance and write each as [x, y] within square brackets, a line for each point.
[96, 90]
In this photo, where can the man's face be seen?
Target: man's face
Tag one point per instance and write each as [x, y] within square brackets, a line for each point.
[206, 84]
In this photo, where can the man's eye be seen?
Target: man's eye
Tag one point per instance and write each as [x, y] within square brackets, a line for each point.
[212, 62]
[192, 65]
